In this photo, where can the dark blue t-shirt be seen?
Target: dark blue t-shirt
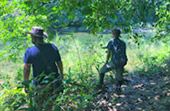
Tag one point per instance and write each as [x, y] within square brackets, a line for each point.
[33, 56]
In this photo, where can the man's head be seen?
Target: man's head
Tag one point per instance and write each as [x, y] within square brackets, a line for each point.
[37, 34]
[116, 33]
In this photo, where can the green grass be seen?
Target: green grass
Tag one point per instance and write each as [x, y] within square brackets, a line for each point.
[81, 53]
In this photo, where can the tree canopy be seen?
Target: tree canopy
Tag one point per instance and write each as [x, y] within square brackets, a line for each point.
[18, 16]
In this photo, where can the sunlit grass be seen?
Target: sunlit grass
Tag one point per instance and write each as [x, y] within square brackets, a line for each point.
[8, 72]
[83, 52]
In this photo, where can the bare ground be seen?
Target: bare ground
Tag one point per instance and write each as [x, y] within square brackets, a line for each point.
[139, 93]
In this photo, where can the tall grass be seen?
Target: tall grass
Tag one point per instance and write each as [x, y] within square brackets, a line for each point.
[82, 54]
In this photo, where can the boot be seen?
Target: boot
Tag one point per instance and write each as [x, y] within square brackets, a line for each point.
[118, 87]
[101, 80]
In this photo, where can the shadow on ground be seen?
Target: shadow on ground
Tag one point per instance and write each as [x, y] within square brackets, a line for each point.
[139, 93]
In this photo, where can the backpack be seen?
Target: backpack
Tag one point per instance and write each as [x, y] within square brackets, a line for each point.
[119, 52]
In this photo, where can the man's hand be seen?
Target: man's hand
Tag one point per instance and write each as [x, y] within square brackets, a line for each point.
[25, 90]
[26, 85]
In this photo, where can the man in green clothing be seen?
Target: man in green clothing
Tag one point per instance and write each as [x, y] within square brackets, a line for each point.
[117, 52]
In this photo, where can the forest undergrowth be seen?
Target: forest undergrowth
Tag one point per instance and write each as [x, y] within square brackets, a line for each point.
[146, 85]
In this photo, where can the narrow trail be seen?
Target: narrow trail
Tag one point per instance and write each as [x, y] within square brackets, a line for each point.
[140, 93]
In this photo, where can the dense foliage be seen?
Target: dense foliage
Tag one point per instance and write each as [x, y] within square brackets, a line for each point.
[17, 16]
[82, 54]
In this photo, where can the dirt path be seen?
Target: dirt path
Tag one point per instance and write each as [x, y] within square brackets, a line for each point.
[141, 93]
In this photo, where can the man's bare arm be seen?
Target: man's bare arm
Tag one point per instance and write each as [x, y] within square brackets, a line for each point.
[60, 66]
[108, 56]
[27, 68]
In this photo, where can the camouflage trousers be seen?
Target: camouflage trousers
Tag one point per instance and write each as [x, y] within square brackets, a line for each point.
[110, 66]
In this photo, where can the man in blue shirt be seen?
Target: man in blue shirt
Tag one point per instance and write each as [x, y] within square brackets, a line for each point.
[117, 52]
[42, 57]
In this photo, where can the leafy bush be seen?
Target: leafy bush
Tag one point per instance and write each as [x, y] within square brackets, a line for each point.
[12, 99]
